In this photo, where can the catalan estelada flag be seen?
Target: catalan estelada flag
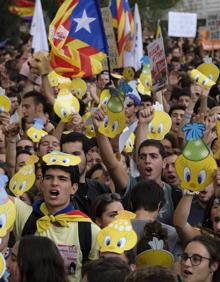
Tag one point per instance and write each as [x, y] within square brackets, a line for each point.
[123, 22]
[23, 8]
[77, 38]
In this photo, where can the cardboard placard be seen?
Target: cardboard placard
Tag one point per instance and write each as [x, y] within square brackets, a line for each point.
[158, 64]
[113, 51]
[182, 24]
[213, 25]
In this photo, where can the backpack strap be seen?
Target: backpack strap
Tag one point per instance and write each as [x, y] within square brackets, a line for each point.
[30, 226]
[85, 239]
[84, 233]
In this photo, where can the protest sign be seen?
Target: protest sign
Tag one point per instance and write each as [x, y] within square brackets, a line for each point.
[213, 24]
[113, 51]
[158, 64]
[182, 24]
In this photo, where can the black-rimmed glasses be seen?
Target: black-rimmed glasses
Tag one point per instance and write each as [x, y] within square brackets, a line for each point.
[195, 259]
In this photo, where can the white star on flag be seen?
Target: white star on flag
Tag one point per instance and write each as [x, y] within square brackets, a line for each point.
[84, 22]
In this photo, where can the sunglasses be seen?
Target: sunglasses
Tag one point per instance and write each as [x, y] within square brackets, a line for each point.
[26, 148]
[129, 105]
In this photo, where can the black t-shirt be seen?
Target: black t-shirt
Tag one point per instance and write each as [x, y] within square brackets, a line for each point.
[87, 193]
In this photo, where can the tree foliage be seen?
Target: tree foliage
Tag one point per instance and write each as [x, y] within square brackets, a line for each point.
[150, 11]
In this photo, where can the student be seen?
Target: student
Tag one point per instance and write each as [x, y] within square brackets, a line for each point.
[147, 198]
[55, 216]
[76, 144]
[35, 258]
[200, 260]
[150, 162]
[151, 274]
[106, 269]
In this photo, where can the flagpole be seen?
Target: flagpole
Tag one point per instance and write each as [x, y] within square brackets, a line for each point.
[109, 68]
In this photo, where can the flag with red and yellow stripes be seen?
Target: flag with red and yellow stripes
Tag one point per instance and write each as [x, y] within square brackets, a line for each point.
[23, 8]
[124, 23]
[77, 38]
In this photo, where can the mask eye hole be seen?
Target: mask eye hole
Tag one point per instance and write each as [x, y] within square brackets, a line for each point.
[66, 161]
[105, 101]
[205, 81]
[107, 240]
[34, 135]
[160, 128]
[114, 125]
[187, 174]
[22, 185]
[196, 77]
[121, 242]
[2, 220]
[147, 82]
[14, 185]
[53, 159]
[201, 176]
[105, 122]
[72, 109]
[63, 112]
[150, 127]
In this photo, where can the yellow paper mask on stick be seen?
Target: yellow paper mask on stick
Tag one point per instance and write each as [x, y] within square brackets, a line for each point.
[145, 77]
[2, 265]
[160, 124]
[36, 132]
[155, 255]
[78, 88]
[195, 166]
[65, 105]
[7, 208]
[24, 179]
[89, 128]
[60, 158]
[217, 153]
[58, 81]
[129, 73]
[118, 236]
[126, 138]
[114, 120]
[5, 103]
[205, 74]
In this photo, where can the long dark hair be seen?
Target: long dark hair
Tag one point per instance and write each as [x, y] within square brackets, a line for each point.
[39, 260]
[213, 247]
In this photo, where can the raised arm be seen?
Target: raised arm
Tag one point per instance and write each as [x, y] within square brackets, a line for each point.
[115, 168]
[181, 214]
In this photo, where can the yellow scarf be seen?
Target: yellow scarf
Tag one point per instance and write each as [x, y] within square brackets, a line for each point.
[44, 222]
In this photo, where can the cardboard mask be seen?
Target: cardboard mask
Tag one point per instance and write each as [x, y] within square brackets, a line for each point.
[24, 179]
[118, 236]
[145, 77]
[128, 73]
[89, 128]
[36, 132]
[2, 265]
[5, 103]
[65, 105]
[78, 88]
[160, 124]
[56, 80]
[114, 120]
[60, 158]
[7, 208]
[156, 255]
[195, 166]
[205, 74]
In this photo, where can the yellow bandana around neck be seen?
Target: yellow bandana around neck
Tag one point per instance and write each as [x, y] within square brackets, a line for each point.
[44, 222]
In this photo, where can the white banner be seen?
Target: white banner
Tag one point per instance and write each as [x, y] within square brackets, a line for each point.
[182, 24]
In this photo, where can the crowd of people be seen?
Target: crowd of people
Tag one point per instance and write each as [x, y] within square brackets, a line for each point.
[83, 183]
